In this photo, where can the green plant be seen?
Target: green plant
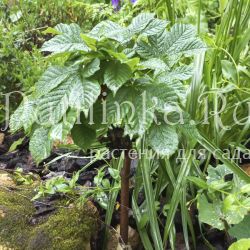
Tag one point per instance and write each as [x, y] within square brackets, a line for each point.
[139, 61]
[230, 198]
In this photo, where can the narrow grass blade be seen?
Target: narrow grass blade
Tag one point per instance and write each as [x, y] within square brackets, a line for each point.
[184, 171]
[149, 193]
[143, 232]
[117, 164]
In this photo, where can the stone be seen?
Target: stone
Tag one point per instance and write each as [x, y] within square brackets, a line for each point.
[65, 227]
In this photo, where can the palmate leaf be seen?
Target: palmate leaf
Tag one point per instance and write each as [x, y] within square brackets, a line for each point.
[163, 139]
[210, 213]
[155, 64]
[217, 174]
[147, 50]
[179, 89]
[116, 74]
[144, 23]
[40, 145]
[69, 41]
[65, 43]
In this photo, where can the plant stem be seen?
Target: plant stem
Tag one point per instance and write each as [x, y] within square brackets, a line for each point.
[125, 197]
[171, 11]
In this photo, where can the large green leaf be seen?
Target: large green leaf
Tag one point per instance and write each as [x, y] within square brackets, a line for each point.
[243, 244]
[54, 105]
[83, 136]
[162, 95]
[180, 90]
[69, 41]
[40, 144]
[24, 116]
[83, 93]
[156, 26]
[210, 213]
[155, 64]
[163, 139]
[241, 230]
[140, 119]
[180, 73]
[140, 22]
[62, 129]
[217, 174]
[116, 74]
[144, 23]
[75, 92]
[72, 28]
[182, 39]
[90, 68]
[109, 29]
[147, 50]
[214, 213]
[51, 78]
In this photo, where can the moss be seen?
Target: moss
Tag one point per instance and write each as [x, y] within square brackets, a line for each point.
[17, 211]
[67, 228]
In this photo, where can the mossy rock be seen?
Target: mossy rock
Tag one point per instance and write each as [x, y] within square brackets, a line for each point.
[69, 227]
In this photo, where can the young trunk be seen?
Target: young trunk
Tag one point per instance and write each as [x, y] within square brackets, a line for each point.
[125, 197]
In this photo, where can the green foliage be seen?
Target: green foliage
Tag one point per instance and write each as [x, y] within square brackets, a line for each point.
[143, 60]
[242, 244]
[77, 84]
[159, 136]
[40, 145]
[116, 74]
[241, 230]
[100, 192]
[229, 199]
